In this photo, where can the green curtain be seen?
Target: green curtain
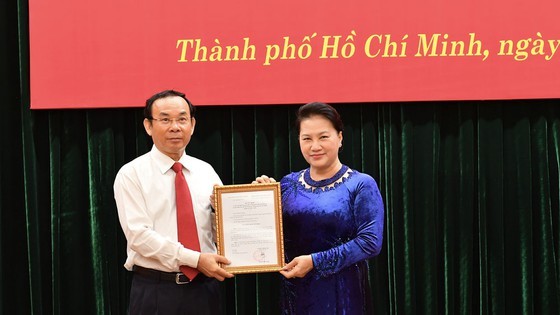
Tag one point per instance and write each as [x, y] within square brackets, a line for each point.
[471, 191]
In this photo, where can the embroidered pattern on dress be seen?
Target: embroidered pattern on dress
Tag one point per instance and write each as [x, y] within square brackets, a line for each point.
[331, 261]
[308, 184]
[290, 188]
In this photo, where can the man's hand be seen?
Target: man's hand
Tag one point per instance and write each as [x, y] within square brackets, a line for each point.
[208, 264]
[263, 179]
[298, 267]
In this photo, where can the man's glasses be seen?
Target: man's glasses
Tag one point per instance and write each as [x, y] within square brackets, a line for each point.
[181, 121]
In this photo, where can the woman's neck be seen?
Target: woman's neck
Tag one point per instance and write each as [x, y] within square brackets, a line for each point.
[328, 172]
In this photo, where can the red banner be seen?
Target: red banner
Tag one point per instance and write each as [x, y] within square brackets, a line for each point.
[86, 54]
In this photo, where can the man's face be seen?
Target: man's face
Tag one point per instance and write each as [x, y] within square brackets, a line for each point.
[172, 126]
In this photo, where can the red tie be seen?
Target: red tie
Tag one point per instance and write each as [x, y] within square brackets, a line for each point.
[186, 223]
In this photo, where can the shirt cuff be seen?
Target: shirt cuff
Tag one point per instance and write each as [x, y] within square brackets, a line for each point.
[188, 257]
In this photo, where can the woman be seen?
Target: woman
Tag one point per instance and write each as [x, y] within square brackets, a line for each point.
[333, 222]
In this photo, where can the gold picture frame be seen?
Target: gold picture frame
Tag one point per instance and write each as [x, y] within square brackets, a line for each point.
[249, 227]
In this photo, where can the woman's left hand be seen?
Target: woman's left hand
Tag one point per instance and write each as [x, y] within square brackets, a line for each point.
[298, 267]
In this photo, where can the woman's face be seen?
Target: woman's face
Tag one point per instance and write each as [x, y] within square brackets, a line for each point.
[319, 142]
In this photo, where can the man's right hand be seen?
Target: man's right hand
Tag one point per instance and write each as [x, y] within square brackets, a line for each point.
[208, 264]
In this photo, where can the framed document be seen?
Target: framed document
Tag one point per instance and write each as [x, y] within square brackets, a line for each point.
[249, 227]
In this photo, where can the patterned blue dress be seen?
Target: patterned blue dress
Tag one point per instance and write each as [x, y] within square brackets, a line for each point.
[339, 221]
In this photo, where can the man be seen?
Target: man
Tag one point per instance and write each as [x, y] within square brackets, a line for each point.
[148, 207]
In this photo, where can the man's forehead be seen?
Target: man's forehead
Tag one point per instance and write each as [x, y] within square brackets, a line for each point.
[172, 104]
[168, 112]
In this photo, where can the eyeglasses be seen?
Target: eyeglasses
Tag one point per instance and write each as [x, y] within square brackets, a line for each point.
[181, 121]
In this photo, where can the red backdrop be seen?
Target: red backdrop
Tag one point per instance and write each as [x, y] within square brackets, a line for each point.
[109, 53]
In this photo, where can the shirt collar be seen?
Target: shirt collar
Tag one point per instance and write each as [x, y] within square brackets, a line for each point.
[164, 163]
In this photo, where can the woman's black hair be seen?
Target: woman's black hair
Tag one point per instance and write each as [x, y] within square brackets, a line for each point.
[320, 109]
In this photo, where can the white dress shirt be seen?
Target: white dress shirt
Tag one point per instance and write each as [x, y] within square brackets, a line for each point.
[145, 196]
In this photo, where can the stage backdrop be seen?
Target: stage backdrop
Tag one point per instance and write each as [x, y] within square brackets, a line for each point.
[107, 53]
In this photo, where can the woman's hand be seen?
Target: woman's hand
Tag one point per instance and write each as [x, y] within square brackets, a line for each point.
[263, 179]
[298, 267]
